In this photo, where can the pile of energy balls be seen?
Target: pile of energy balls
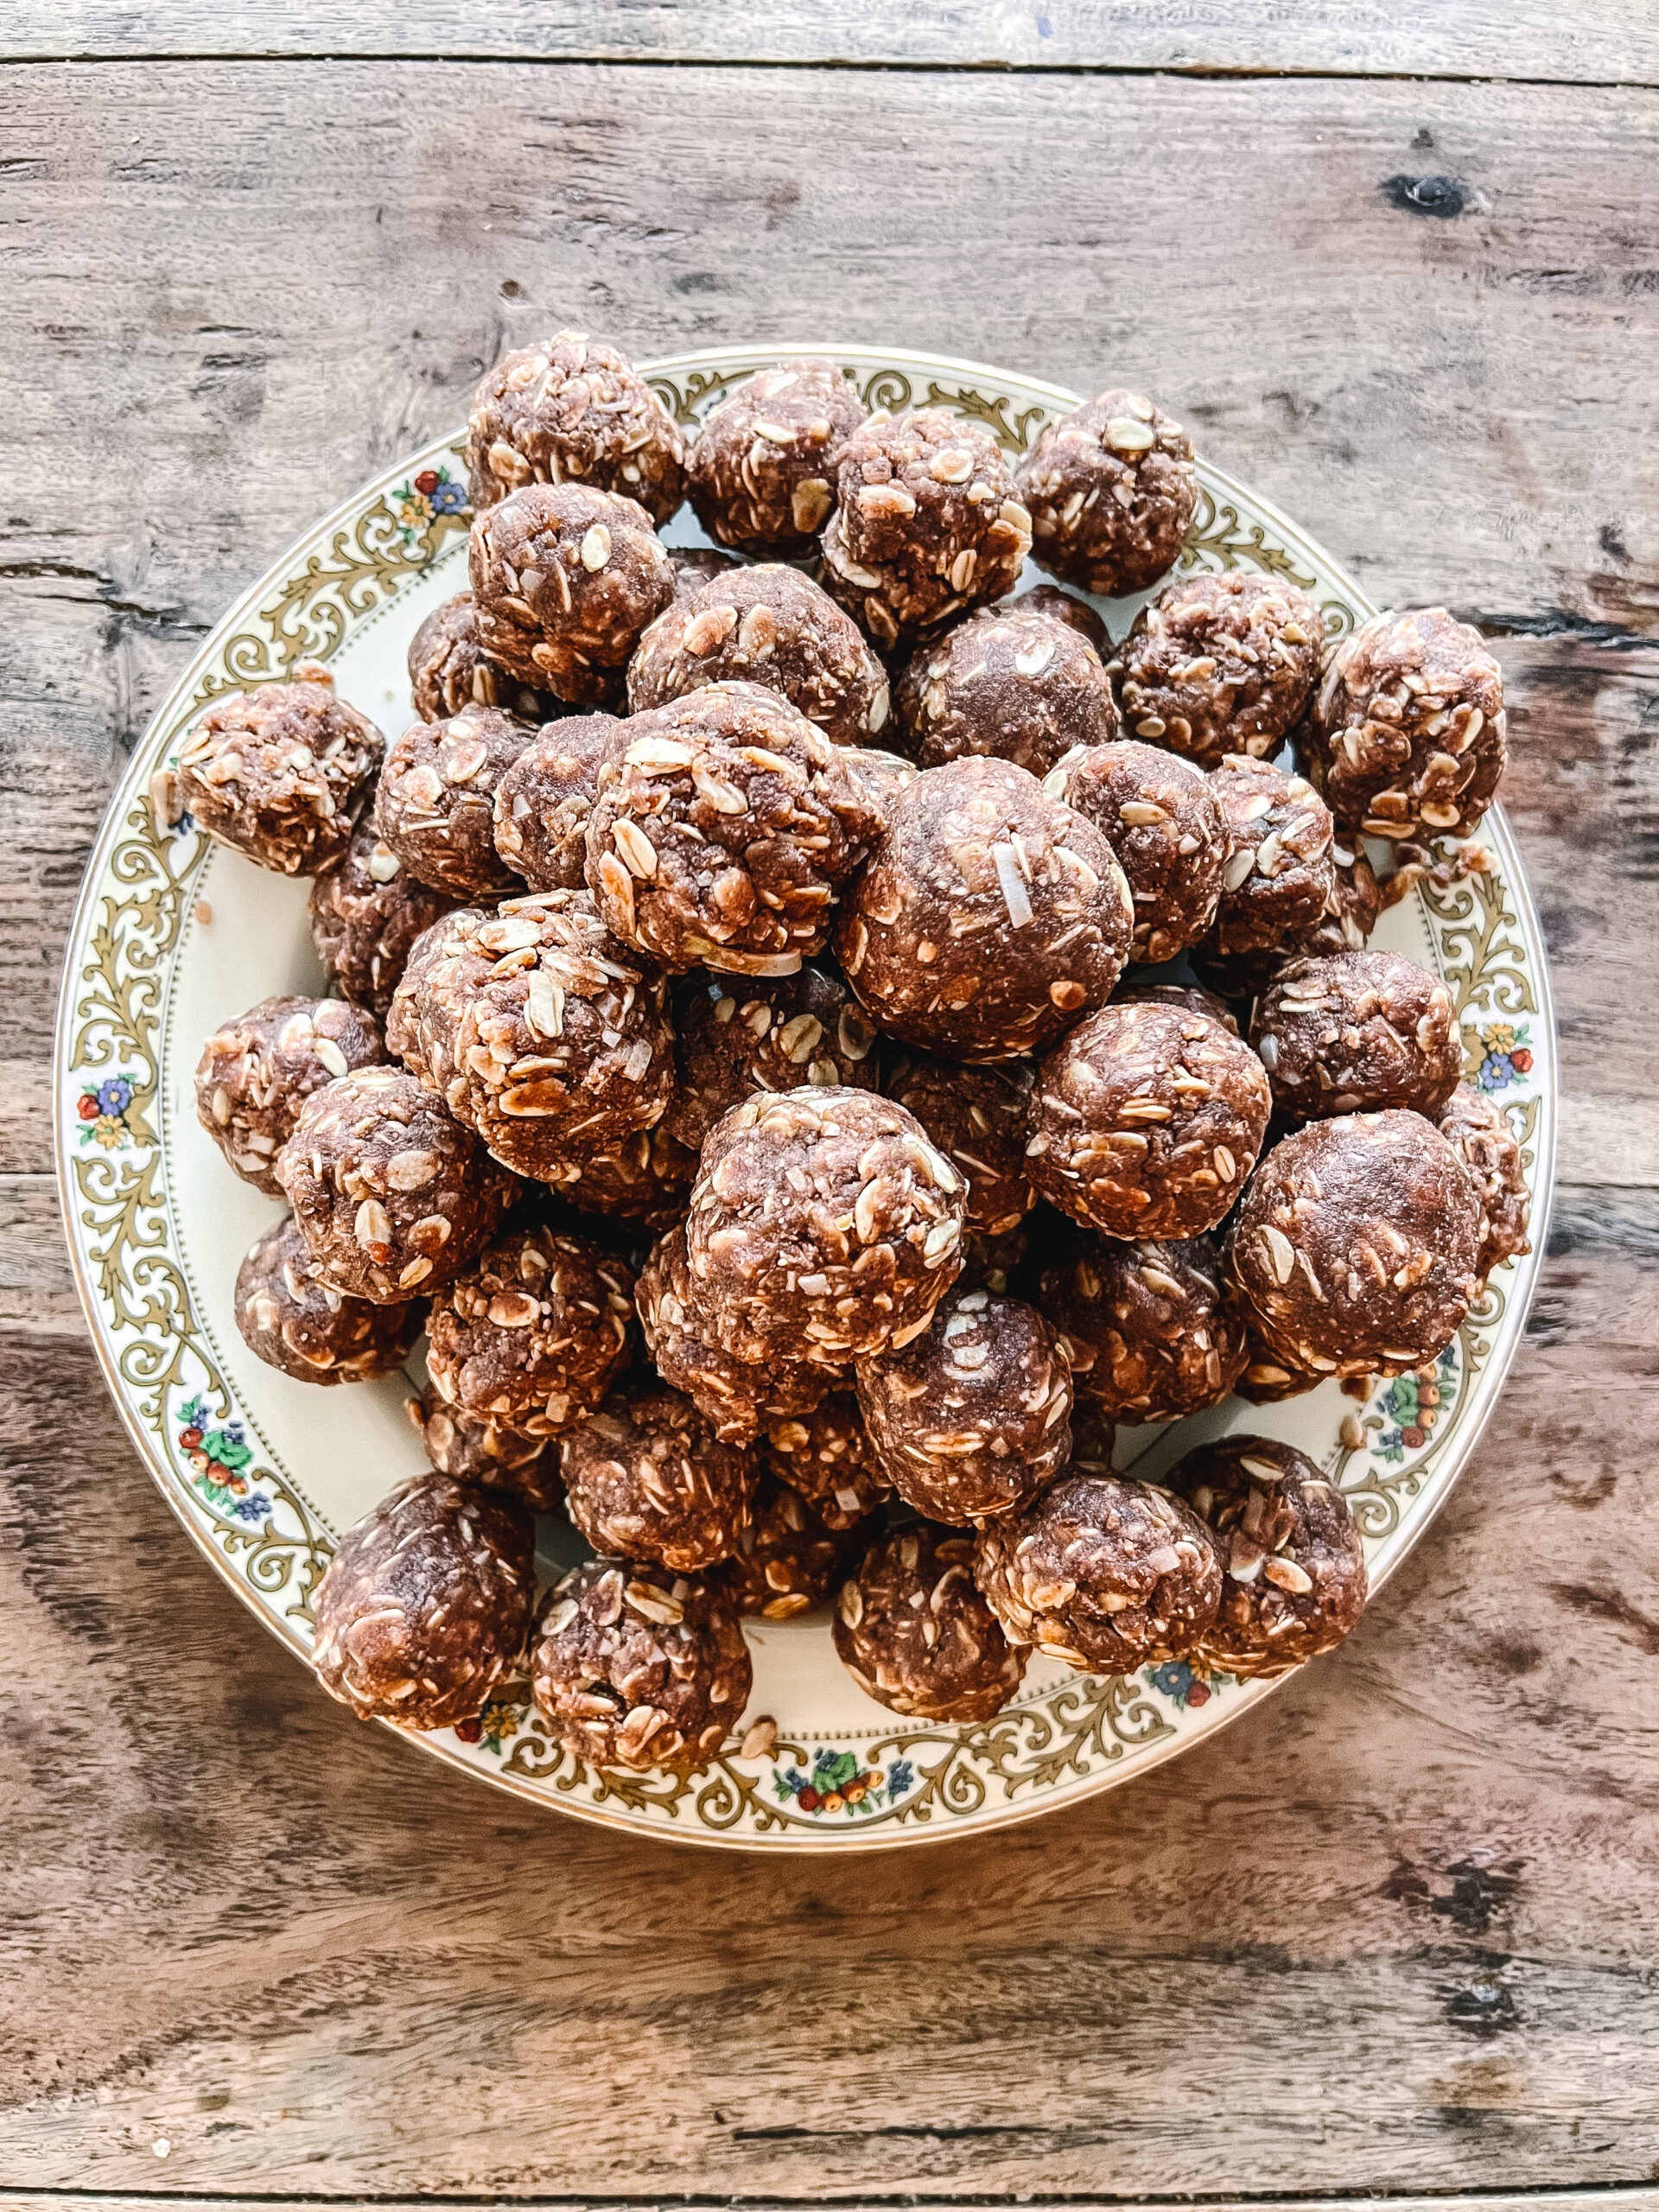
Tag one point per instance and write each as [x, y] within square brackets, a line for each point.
[746, 1061]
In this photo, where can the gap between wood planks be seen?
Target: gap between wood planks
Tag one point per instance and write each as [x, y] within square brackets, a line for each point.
[1612, 2197]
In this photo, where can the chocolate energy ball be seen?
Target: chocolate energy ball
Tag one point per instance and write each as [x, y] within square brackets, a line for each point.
[762, 467]
[533, 1333]
[736, 1397]
[1356, 1249]
[1295, 1581]
[280, 774]
[572, 408]
[725, 832]
[1189, 998]
[1408, 734]
[366, 911]
[787, 1559]
[1149, 1333]
[880, 776]
[1351, 911]
[1278, 875]
[256, 1073]
[1220, 664]
[1111, 489]
[1267, 1379]
[823, 1225]
[989, 919]
[696, 565]
[1350, 1032]
[1106, 1573]
[769, 626]
[545, 799]
[1163, 822]
[1025, 687]
[825, 1453]
[647, 1478]
[485, 1453]
[566, 579]
[971, 1418]
[927, 525]
[638, 1667]
[1479, 1132]
[448, 670]
[426, 1604]
[990, 1262]
[391, 1194]
[1146, 1121]
[1049, 599]
[295, 1320]
[434, 805]
[976, 1116]
[735, 1037]
[646, 1179]
[915, 1635]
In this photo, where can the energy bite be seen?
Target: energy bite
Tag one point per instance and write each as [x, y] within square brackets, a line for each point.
[1478, 1131]
[733, 1037]
[292, 1318]
[545, 796]
[825, 1453]
[257, 1072]
[736, 1397]
[787, 1559]
[1220, 664]
[762, 466]
[573, 408]
[1351, 1032]
[1164, 823]
[366, 911]
[915, 1635]
[1148, 1332]
[880, 776]
[696, 565]
[646, 1179]
[426, 1604]
[448, 670]
[977, 1117]
[1025, 686]
[647, 1478]
[1049, 599]
[1189, 998]
[485, 1453]
[1111, 489]
[1277, 877]
[989, 919]
[434, 805]
[533, 1333]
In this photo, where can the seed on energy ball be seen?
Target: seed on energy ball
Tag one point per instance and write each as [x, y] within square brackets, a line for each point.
[1408, 734]
[1146, 1121]
[1024, 687]
[435, 804]
[976, 1116]
[1163, 822]
[1267, 1379]
[1351, 1032]
[543, 801]
[787, 1560]
[762, 474]
[426, 1603]
[1111, 489]
[533, 1333]
[257, 1072]
[366, 912]
[989, 919]
[1294, 1581]
[1049, 599]
[736, 1397]
[696, 565]
[448, 670]
[737, 1035]
[647, 1478]
[826, 1454]
[645, 1179]
[1277, 877]
[1355, 1252]
[487, 1453]
[915, 1635]
[573, 408]
[294, 1320]
[1220, 664]
[1478, 1131]
[1150, 1335]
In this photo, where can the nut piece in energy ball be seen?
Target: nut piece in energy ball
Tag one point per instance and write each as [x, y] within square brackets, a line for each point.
[485, 1453]
[1028, 688]
[1267, 1379]
[971, 1418]
[1353, 1031]
[1106, 1573]
[761, 472]
[448, 670]
[976, 1116]
[1220, 664]
[434, 805]
[366, 912]
[826, 1454]
[1049, 599]
[1150, 1335]
[1277, 878]
[256, 1073]
[571, 407]
[566, 579]
[696, 565]
[1478, 1131]
[721, 838]
[534, 1333]
[280, 774]
[1146, 1121]
[391, 1194]
[645, 1179]
[735, 1036]
[787, 1559]
[1111, 489]
[990, 918]
[823, 1225]
[1295, 1569]
[1163, 822]
[915, 1635]
[295, 1320]
[1407, 737]
[736, 1397]
[647, 1478]
[769, 626]
[543, 801]
[1355, 1252]
[426, 1604]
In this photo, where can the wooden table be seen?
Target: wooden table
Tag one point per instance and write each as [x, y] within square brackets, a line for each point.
[1397, 1931]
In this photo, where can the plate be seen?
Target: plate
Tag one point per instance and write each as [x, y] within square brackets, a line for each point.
[173, 934]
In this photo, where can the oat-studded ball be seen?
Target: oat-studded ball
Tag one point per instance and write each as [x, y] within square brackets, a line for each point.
[971, 1418]
[1350, 1032]
[487, 1453]
[736, 1397]
[1278, 875]
[928, 522]
[644, 1179]
[639, 1668]
[448, 670]
[880, 776]
[544, 799]
[989, 919]
[295, 1319]
[435, 804]
[976, 1116]
[1049, 599]
[735, 1036]
[391, 1195]
[426, 1604]
[1220, 664]
[647, 1478]
[280, 774]
[825, 1453]
[761, 475]
[533, 1333]
[256, 1073]
[1293, 1566]
[1267, 1379]
[573, 408]
[1355, 1252]
[1352, 910]
[366, 911]
[1106, 1573]
[1146, 1121]
[1025, 687]
[770, 625]
[723, 834]
[566, 579]
[1163, 822]
[824, 1226]
[1111, 489]
[1407, 737]
[787, 1559]
[1150, 1335]
[915, 1635]
[1478, 1131]
[696, 565]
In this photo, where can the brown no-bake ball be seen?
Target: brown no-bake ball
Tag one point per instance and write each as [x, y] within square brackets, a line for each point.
[256, 1073]
[647, 1478]
[485, 1453]
[1163, 822]
[1355, 1252]
[1150, 1335]
[1025, 687]
[426, 1604]
[989, 919]
[825, 1453]
[573, 408]
[736, 1397]
[735, 1037]
[786, 1560]
[696, 565]
[1294, 1566]
[1111, 489]
[1478, 1131]
[295, 1319]
[1146, 1121]
[435, 804]
[880, 776]
[762, 474]
[976, 1116]
[1350, 1032]
[544, 799]
[1049, 599]
[915, 1635]
[1354, 904]
[644, 1179]
[1189, 998]
[366, 911]
[280, 774]
[1220, 664]
[1278, 874]
[1408, 734]
[449, 670]
[533, 1333]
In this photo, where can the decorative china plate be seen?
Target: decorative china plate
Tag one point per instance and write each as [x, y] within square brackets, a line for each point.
[173, 934]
